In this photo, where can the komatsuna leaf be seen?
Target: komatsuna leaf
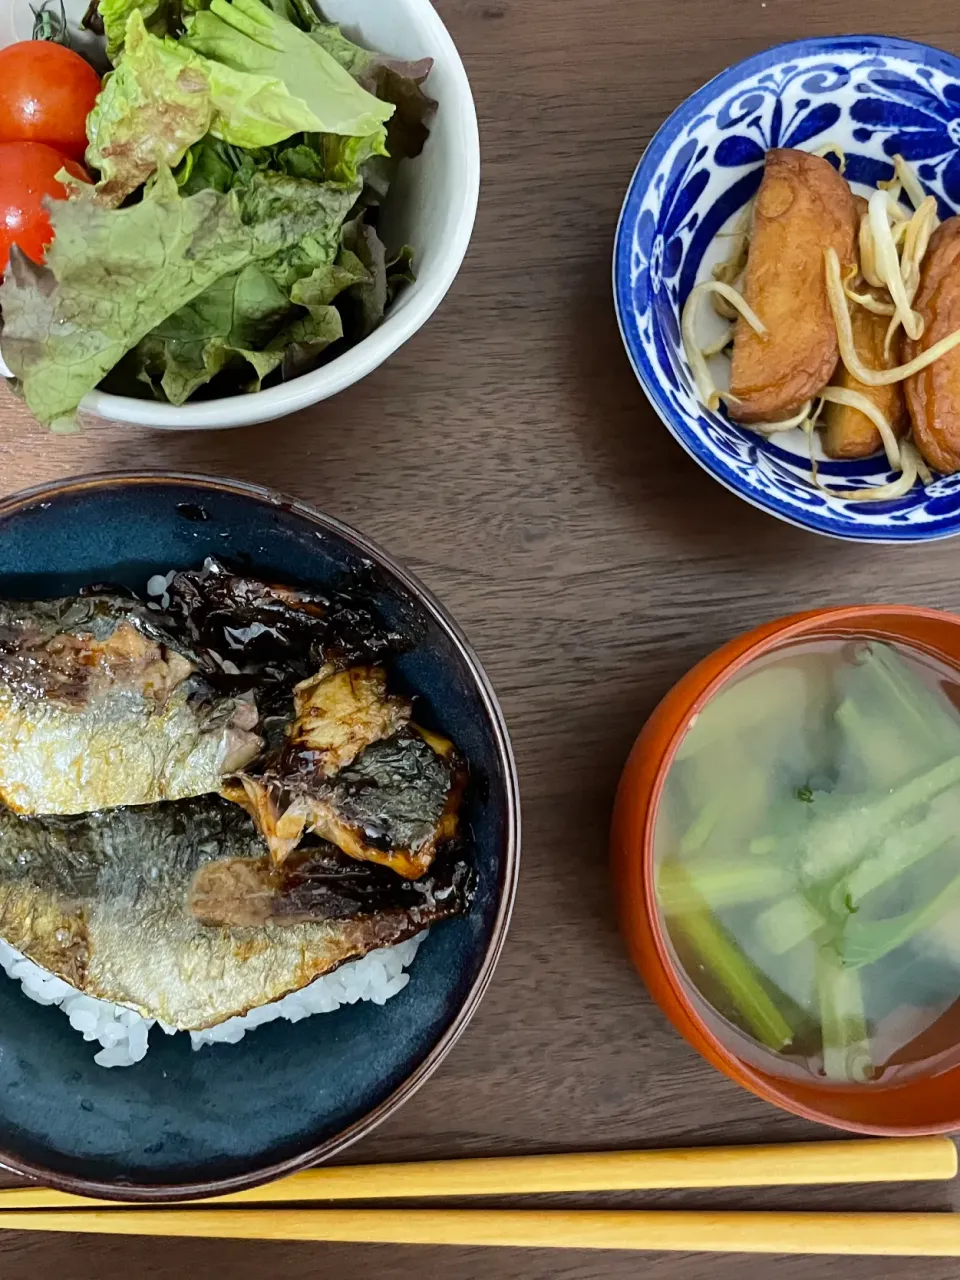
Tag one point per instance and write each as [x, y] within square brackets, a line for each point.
[113, 275]
[246, 36]
[152, 109]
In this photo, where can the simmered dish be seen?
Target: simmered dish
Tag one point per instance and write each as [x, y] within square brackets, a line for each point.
[210, 802]
[844, 318]
[806, 854]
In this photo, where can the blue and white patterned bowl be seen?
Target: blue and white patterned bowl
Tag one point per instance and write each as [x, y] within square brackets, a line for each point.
[873, 95]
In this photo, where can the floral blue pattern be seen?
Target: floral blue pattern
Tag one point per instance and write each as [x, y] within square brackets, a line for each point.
[916, 120]
[875, 97]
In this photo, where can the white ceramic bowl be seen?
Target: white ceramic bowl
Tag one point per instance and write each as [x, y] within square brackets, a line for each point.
[433, 207]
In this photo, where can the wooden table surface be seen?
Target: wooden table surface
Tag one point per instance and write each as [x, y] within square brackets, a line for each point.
[509, 457]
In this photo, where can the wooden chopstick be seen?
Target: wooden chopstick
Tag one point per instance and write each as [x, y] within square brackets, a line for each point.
[799, 1164]
[907, 1234]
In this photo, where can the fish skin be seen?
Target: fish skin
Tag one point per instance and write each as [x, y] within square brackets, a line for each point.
[354, 770]
[279, 635]
[108, 902]
[99, 707]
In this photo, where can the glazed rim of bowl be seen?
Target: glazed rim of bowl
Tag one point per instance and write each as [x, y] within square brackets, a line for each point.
[817, 622]
[360, 1128]
[652, 155]
[400, 323]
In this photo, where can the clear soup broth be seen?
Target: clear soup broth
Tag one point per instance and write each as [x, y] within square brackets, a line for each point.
[808, 860]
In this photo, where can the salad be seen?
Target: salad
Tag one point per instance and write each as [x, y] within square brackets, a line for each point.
[222, 231]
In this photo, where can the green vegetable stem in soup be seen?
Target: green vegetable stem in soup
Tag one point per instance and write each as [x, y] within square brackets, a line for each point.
[808, 860]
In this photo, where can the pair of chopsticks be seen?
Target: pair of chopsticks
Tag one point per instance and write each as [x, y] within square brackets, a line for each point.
[808, 1164]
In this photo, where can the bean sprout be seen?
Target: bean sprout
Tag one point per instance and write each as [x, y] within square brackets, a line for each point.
[868, 268]
[742, 225]
[832, 149]
[788, 424]
[706, 387]
[848, 352]
[895, 210]
[731, 270]
[863, 404]
[893, 189]
[888, 269]
[869, 302]
[721, 306]
[719, 345]
[865, 300]
[871, 493]
[903, 173]
[916, 242]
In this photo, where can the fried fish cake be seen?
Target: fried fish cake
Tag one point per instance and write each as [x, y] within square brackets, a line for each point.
[803, 207]
[933, 394]
[848, 432]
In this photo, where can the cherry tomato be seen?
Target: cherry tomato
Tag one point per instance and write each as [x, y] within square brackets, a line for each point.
[46, 94]
[28, 173]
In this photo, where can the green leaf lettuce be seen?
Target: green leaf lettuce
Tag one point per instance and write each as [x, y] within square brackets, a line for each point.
[247, 37]
[152, 109]
[244, 323]
[393, 80]
[229, 323]
[365, 305]
[164, 97]
[160, 17]
[114, 275]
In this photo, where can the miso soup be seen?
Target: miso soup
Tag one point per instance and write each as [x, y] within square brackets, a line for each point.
[808, 860]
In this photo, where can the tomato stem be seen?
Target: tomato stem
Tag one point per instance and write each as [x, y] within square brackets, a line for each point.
[50, 25]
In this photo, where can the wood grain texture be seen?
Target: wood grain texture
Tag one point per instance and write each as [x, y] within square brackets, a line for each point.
[509, 457]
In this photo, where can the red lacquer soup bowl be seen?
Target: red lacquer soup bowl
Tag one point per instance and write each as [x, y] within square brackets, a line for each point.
[924, 1102]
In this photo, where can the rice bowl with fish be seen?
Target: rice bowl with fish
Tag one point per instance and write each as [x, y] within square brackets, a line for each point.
[180, 1123]
[151, 872]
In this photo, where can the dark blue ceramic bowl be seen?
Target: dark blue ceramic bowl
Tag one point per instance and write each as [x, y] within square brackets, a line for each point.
[181, 1123]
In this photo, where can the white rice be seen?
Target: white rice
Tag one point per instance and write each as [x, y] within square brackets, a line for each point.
[124, 1034]
[158, 587]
